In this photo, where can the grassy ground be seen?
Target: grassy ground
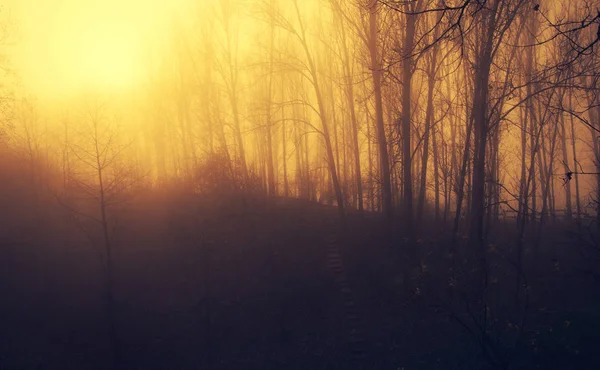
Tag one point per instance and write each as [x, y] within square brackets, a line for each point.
[248, 284]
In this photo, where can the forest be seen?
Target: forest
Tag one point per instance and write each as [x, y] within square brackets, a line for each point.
[296, 184]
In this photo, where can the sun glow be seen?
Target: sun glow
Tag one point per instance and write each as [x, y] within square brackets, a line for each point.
[105, 53]
[70, 45]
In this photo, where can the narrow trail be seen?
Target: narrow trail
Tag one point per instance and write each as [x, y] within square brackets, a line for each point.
[353, 323]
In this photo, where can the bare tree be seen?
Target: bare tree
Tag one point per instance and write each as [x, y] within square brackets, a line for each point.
[100, 179]
[312, 74]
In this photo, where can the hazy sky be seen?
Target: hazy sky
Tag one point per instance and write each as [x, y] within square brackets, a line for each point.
[66, 45]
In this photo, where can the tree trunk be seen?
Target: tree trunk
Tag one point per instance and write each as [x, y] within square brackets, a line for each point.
[270, 167]
[575, 164]
[436, 175]
[569, 207]
[370, 162]
[480, 113]
[407, 72]
[286, 187]
[376, 73]
[429, 117]
[353, 120]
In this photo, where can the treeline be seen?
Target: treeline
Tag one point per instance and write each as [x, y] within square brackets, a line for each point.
[475, 110]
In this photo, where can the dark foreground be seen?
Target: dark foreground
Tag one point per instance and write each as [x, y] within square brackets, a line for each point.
[266, 285]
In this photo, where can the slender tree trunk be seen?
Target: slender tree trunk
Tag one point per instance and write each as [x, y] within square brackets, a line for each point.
[533, 146]
[575, 163]
[272, 190]
[460, 191]
[498, 179]
[376, 73]
[429, 117]
[270, 166]
[546, 186]
[480, 113]
[370, 162]
[569, 208]
[436, 176]
[461, 178]
[596, 158]
[353, 120]
[307, 174]
[454, 159]
[543, 167]
[523, 190]
[493, 180]
[239, 138]
[286, 187]
[407, 72]
[344, 160]
[298, 154]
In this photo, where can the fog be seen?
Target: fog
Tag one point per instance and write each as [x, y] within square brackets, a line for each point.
[451, 147]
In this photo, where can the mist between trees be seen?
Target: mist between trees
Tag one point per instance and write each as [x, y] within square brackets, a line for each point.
[463, 116]
[480, 110]
[486, 109]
